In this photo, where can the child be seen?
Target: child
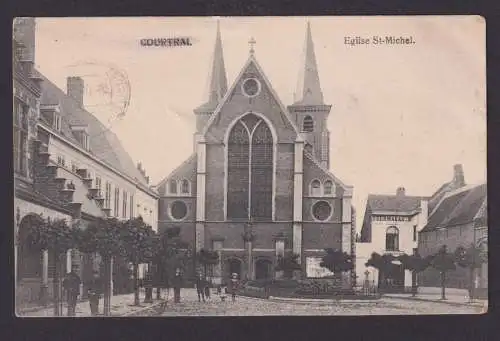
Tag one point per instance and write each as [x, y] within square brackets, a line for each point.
[223, 292]
[233, 286]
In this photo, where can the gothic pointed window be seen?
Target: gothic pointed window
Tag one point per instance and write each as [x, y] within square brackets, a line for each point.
[308, 124]
[262, 172]
[238, 172]
[250, 170]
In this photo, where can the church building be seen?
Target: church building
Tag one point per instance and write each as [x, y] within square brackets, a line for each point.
[258, 184]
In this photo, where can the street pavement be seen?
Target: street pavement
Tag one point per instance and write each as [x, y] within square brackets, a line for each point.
[121, 305]
[244, 306]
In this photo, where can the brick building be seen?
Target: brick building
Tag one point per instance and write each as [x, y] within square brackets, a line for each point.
[67, 164]
[459, 219]
[258, 183]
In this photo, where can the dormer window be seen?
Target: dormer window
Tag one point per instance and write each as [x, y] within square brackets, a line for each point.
[57, 121]
[82, 135]
[85, 141]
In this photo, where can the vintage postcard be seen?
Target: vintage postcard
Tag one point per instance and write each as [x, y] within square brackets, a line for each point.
[219, 166]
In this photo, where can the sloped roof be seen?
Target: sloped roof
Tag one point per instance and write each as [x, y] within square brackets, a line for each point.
[251, 60]
[436, 197]
[104, 144]
[393, 203]
[458, 207]
[190, 159]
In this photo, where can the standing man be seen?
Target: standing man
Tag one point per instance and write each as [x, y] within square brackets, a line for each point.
[95, 286]
[233, 286]
[177, 283]
[200, 287]
[72, 286]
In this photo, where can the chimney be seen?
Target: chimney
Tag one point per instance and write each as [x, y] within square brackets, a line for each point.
[400, 191]
[75, 88]
[458, 175]
[24, 33]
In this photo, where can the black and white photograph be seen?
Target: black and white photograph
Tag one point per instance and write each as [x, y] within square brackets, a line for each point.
[249, 166]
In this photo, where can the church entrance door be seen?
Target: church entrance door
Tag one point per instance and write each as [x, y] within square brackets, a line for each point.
[263, 269]
[233, 265]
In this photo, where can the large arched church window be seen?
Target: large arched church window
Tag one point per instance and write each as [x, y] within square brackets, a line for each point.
[262, 172]
[308, 124]
[250, 170]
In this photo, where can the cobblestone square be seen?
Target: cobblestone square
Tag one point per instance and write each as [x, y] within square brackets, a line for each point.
[244, 306]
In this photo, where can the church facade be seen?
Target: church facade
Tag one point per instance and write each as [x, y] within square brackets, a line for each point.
[258, 184]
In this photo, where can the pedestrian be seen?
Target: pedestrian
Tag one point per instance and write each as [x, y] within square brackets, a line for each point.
[233, 286]
[95, 288]
[177, 283]
[72, 286]
[207, 289]
[200, 287]
[223, 292]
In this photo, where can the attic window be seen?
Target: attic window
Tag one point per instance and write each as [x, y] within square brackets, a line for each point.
[85, 141]
[57, 122]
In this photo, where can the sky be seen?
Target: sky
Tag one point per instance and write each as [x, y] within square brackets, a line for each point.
[401, 115]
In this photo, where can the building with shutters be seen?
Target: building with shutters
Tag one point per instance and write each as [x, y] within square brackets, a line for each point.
[258, 184]
[68, 165]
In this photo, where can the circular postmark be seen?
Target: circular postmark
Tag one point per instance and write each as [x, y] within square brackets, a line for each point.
[106, 89]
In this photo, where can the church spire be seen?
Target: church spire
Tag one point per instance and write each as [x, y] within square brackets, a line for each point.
[308, 88]
[218, 79]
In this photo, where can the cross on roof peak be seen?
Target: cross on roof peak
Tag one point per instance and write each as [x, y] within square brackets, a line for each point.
[252, 42]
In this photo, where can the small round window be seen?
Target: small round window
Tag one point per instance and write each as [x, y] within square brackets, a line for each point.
[178, 210]
[251, 87]
[321, 210]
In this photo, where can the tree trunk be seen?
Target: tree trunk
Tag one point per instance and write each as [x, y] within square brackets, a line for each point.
[107, 286]
[57, 287]
[136, 284]
[414, 283]
[443, 287]
[472, 285]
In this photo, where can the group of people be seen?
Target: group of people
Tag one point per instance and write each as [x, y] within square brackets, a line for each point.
[203, 288]
[71, 285]
[95, 288]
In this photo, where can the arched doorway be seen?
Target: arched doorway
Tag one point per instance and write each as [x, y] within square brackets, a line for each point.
[29, 257]
[263, 269]
[233, 265]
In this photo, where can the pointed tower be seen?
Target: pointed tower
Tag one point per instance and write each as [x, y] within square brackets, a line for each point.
[217, 85]
[309, 110]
